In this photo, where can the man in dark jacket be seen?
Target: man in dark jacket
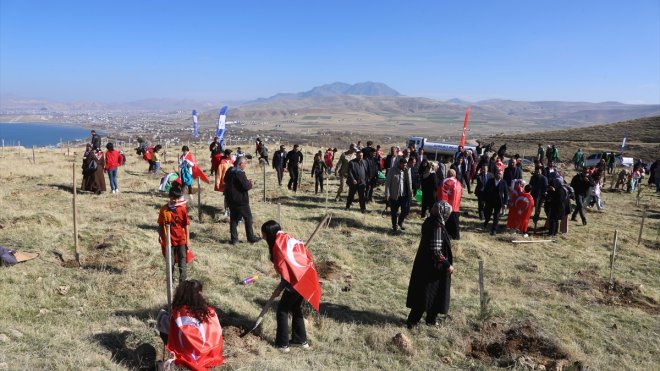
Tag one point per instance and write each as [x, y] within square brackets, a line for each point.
[482, 179]
[96, 141]
[293, 162]
[279, 159]
[237, 186]
[539, 184]
[497, 195]
[581, 183]
[358, 169]
[511, 173]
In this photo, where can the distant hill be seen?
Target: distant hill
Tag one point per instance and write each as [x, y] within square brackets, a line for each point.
[643, 139]
[367, 89]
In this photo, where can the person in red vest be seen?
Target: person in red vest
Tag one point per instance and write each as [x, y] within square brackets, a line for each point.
[194, 335]
[299, 281]
[175, 213]
[451, 191]
[113, 159]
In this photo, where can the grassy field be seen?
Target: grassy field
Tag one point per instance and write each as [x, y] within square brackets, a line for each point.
[548, 303]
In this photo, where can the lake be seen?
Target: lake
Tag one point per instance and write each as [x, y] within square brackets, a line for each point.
[41, 135]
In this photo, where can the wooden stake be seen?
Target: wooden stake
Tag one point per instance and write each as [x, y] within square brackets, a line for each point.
[641, 227]
[482, 302]
[35, 161]
[613, 257]
[639, 190]
[199, 199]
[279, 213]
[75, 217]
[168, 266]
[325, 181]
[264, 166]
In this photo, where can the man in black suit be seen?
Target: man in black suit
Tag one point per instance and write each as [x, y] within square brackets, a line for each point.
[480, 191]
[279, 159]
[497, 195]
[293, 161]
[358, 170]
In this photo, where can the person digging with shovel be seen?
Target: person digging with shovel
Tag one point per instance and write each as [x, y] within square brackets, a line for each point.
[299, 281]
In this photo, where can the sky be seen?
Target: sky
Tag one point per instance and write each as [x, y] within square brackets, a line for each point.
[117, 51]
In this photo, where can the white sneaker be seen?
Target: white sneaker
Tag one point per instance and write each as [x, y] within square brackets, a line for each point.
[113, 191]
[525, 235]
[117, 190]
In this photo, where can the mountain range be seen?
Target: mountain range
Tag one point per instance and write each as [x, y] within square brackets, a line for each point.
[375, 101]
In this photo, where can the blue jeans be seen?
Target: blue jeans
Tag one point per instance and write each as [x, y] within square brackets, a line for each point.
[112, 174]
[156, 167]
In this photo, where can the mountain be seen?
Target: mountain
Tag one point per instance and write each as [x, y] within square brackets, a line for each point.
[367, 89]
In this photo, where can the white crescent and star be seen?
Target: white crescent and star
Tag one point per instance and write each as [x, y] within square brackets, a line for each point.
[290, 244]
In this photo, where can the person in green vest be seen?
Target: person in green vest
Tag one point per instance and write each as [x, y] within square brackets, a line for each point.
[578, 159]
[611, 160]
[540, 153]
[555, 154]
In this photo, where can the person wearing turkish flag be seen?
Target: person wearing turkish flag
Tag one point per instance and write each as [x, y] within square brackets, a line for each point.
[194, 335]
[451, 191]
[299, 281]
[522, 206]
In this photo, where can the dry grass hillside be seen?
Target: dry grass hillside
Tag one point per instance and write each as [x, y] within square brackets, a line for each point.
[548, 304]
[643, 139]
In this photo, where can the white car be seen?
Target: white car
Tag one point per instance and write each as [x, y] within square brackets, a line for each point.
[594, 159]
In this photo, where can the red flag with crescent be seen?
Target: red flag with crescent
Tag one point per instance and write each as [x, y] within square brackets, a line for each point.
[294, 263]
[196, 345]
[520, 212]
[451, 191]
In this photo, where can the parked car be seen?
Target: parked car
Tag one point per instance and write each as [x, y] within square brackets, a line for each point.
[594, 159]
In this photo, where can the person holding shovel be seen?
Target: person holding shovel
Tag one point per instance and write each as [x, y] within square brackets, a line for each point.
[175, 213]
[299, 280]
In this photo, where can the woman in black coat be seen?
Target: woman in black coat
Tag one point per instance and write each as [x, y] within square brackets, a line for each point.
[430, 280]
[558, 198]
[429, 183]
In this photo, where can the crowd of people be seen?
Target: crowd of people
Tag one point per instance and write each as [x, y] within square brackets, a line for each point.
[406, 174]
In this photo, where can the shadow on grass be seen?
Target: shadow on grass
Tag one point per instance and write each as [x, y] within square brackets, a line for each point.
[103, 268]
[338, 221]
[62, 187]
[148, 227]
[143, 357]
[345, 314]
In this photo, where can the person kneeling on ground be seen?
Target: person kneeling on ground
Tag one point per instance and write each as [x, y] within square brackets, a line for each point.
[193, 335]
[430, 280]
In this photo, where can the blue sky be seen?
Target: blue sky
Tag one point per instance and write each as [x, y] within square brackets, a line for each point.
[227, 50]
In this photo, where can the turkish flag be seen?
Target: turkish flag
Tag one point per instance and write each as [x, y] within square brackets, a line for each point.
[451, 191]
[520, 212]
[196, 345]
[198, 173]
[294, 263]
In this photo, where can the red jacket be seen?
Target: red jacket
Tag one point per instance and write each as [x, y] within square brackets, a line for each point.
[113, 159]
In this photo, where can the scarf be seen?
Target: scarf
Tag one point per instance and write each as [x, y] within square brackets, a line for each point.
[173, 204]
[436, 243]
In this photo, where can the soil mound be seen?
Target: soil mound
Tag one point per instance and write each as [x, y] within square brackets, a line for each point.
[519, 345]
[622, 294]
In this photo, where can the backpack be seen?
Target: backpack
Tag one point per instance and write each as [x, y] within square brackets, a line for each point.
[90, 167]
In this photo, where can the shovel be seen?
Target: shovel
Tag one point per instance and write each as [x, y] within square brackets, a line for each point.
[278, 289]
